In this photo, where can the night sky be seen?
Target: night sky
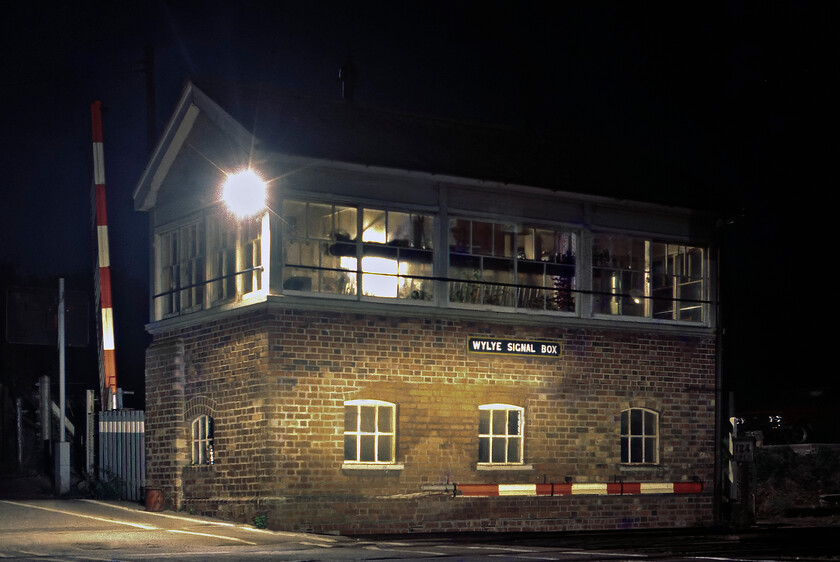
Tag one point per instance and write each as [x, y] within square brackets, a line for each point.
[736, 96]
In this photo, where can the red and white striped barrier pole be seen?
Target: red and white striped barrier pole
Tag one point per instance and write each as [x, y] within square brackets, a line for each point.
[581, 489]
[108, 365]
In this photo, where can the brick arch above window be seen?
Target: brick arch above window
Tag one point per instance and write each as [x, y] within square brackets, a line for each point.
[199, 405]
[643, 402]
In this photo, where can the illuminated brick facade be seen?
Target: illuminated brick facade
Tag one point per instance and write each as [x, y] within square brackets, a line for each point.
[278, 375]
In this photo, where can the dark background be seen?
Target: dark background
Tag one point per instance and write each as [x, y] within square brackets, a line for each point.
[735, 97]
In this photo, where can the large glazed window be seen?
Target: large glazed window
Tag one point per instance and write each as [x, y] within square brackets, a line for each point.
[645, 278]
[180, 270]
[511, 265]
[500, 434]
[357, 251]
[221, 259]
[210, 261]
[369, 431]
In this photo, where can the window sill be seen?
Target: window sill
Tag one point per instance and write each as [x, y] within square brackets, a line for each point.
[504, 467]
[640, 468]
[370, 466]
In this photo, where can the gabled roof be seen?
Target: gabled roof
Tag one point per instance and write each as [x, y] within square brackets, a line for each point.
[263, 121]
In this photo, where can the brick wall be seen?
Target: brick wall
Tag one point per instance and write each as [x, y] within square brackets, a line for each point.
[275, 381]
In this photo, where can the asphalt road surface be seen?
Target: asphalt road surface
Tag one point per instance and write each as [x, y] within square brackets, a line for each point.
[82, 529]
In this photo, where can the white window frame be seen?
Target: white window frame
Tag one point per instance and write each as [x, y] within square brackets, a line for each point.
[335, 269]
[202, 437]
[632, 285]
[180, 269]
[210, 260]
[646, 438]
[494, 439]
[357, 433]
[518, 243]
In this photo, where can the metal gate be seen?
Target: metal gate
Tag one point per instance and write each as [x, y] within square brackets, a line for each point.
[122, 452]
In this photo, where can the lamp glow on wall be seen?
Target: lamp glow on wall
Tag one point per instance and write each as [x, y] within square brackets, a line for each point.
[245, 194]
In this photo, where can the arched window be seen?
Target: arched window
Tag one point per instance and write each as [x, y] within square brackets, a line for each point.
[639, 436]
[369, 431]
[500, 434]
[201, 438]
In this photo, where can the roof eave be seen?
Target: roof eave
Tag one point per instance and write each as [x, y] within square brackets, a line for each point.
[192, 103]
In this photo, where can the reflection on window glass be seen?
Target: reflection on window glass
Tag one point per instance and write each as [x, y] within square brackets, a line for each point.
[511, 265]
[638, 277]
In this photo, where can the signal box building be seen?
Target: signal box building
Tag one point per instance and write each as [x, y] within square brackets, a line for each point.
[426, 327]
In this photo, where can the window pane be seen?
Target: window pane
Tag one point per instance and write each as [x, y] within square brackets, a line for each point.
[483, 449]
[625, 424]
[498, 445]
[636, 449]
[499, 422]
[650, 423]
[482, 238]
[384, 421]
[368, 419]
[373, 226]
[513, 453]
[513, 422]
[351, 418]
[484, 422]
[384, 453]
[350, 448]
[650, 450]
[367, 448]
[625, 449]
[636, 422]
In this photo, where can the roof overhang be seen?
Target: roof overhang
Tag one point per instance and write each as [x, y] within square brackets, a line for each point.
[192, 104]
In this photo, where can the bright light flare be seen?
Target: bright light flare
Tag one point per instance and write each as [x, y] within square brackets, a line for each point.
[245, 193]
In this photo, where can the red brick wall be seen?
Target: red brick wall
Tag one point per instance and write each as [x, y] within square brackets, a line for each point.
[275, 381]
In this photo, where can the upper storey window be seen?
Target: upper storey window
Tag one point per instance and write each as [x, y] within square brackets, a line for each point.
[370, 253]
[511, 265]
[210, 261]
[357, 251]
[180, 280]
[645, 278]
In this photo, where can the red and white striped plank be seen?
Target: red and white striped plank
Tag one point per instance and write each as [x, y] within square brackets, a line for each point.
[103, 252]
[576, 489]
